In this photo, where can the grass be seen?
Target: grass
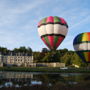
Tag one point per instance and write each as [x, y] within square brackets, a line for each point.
[45, 69]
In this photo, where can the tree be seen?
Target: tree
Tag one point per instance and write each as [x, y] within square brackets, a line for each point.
[38, 56]
[4, 50]
[78, 61]
[29, 50]
[67, 59]
[47, 57]
[23, 49]
[45, 50]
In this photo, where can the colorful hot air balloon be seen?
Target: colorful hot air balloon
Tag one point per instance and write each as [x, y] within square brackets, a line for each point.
[81, 44]
[52, 31]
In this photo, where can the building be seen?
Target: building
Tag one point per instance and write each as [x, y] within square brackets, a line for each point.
[17, 59]
[1, 63]
[53, 64]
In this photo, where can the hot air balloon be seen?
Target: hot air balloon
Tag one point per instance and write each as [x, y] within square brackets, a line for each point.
[81, 44]
[52, 31]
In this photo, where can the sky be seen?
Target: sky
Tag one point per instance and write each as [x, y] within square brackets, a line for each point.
[19, 19]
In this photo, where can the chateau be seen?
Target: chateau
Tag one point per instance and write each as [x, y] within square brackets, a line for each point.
[16, 59]
[24, 60]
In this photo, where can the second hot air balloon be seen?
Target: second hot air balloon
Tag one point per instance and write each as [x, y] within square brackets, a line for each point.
[52, 31]
[81, 44]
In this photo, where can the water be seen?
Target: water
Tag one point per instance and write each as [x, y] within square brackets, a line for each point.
[21, 79]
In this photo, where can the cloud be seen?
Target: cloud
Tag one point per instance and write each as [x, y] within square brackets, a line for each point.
[83, 21]
[10, 15]
[25, 7]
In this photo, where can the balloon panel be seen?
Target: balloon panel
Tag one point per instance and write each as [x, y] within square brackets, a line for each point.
[60, 29]
[83, 37]
[52, 41]
[84, 55]
[52, 20]
[49, 29]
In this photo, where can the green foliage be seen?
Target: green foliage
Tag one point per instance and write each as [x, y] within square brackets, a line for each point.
[22, 49]
[45, 50]
[4, 50]
[70, 58]
[67, 59]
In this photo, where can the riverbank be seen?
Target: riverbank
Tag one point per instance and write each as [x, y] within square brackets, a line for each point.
[45, 69]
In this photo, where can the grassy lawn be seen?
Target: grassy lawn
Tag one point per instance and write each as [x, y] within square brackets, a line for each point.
[45, 69]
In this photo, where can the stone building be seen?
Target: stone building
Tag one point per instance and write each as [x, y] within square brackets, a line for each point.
[1, 63]
[17, 59]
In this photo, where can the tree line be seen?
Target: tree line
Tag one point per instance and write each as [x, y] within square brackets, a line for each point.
[23, 49]
[62, 55]
[66, 56]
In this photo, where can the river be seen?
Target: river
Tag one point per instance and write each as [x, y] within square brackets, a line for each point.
[28, 79]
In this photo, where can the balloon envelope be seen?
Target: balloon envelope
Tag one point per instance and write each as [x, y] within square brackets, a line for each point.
[52, 31]
[81, 44]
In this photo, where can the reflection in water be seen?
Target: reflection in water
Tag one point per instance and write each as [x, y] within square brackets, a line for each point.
[17, 75]
[36, 82]
[19, 79]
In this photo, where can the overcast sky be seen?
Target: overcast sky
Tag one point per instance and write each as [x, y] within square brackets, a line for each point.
[19, 18]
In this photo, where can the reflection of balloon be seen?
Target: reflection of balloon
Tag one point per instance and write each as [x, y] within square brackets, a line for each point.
[82, 46]
[52, 31]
